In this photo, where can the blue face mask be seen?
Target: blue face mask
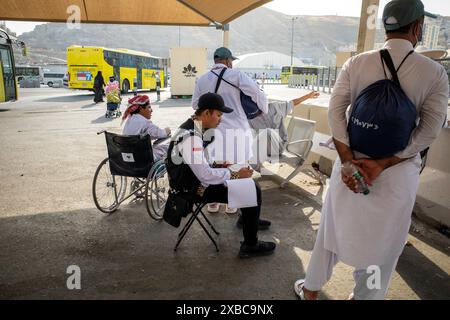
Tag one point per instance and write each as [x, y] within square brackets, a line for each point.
[421, 33]
[420, 36]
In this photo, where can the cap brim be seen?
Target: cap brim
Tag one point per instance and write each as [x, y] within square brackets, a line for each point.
[430, 15]
[226, 110]
[234, 58]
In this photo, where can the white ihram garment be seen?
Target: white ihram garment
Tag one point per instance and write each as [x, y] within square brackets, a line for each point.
[372, 230]
[237, 146]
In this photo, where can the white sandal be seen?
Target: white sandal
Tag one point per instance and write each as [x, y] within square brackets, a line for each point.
[298, 289]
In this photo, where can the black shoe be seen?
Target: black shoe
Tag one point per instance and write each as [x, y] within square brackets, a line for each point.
[262, 224]
[261, 248]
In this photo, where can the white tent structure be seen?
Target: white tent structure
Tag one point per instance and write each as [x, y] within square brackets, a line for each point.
[269, 62]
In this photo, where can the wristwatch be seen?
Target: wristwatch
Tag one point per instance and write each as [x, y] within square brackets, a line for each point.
[234, 175]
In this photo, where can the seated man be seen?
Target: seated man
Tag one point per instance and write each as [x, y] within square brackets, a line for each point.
[276, 134]
[138, 114]
[188, 168]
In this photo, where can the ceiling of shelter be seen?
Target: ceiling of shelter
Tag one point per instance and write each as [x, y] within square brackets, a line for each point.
[159, 12]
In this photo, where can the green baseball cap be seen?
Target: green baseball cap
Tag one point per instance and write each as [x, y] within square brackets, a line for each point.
[400, 13]
[224, 53]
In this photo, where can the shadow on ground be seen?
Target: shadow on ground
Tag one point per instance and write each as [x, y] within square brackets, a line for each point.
[68, 98]
[128, 255]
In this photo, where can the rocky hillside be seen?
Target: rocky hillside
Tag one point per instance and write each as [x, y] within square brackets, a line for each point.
[315, 37]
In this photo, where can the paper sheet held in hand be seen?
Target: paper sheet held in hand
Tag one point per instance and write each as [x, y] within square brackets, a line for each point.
[241, 193]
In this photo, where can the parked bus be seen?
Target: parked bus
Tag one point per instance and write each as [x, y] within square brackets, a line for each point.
[128, 66]
[8, 84]
[311, 71]
[29, 73]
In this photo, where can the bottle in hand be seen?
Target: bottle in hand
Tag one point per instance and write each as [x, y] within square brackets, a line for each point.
[350, 170]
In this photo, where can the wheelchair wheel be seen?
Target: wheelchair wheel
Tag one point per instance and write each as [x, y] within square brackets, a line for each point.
[107, 190]
[157, 190]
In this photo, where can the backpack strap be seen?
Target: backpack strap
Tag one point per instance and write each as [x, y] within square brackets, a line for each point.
[386, 58]
[220, 79]
[409, 53]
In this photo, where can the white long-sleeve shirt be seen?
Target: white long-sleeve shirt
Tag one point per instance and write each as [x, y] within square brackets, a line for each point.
[231, 96]
[137, 124]
[194, 156]
[424, 81]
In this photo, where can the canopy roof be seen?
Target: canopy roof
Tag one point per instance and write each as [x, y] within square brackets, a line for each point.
[160, 12]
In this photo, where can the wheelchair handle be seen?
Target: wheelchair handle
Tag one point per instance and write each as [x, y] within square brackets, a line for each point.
[100, 132]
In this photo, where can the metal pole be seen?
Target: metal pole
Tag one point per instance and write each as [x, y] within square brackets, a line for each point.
[329, 79]
[292, 42]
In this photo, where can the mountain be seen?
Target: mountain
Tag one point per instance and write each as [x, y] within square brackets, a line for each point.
[315, 37]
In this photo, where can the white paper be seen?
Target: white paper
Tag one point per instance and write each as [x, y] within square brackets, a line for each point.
[241, 193]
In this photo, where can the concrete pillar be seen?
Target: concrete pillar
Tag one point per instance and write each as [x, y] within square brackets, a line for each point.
[367, 25]
[226, 31]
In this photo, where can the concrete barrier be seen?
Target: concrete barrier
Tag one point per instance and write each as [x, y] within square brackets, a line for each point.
[433, 196]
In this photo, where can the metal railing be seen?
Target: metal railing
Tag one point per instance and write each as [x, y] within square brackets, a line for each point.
[323, 81]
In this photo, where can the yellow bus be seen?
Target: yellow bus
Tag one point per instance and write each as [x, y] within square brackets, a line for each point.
[8, 84]
[133, 69]
[310, 71]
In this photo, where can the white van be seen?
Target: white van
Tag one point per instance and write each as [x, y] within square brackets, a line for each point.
[51, 79]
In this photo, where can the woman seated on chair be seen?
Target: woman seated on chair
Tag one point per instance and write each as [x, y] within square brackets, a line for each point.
[138, 113]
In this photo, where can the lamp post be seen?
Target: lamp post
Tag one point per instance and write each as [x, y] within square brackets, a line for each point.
[292, 42]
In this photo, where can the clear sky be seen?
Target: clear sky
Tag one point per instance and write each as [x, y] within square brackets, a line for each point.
[298, 7]
[350, 8]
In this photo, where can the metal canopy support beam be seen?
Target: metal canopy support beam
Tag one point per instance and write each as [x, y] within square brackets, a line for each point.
[367, 25]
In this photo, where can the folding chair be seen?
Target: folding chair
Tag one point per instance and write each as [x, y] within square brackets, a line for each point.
[300, 142]
[196, 215]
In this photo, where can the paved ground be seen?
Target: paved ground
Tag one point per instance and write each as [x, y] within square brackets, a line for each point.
[48, 221]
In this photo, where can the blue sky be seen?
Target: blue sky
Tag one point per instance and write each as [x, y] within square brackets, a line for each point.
[298, 7]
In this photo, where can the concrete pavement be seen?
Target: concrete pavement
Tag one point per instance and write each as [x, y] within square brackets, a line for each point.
[48, 222]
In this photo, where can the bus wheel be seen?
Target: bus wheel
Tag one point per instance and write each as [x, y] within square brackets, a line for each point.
[125, 86]
[50, 84]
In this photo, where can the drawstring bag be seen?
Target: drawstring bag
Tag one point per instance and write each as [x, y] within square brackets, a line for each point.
[250, 107]
[383, 117]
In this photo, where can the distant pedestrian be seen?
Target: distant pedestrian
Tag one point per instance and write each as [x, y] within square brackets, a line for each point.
[99, 83]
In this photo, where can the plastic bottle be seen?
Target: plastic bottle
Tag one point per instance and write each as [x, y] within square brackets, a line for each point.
[350, 170]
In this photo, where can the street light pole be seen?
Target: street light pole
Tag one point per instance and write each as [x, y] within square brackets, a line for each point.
[292, 42]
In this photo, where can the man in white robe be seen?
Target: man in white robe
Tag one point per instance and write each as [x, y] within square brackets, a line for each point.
[369, 232]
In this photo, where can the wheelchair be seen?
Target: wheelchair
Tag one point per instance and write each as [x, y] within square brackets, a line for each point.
[130, 158]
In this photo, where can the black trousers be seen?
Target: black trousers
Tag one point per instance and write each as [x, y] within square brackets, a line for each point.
[98, 94]
[250, 216]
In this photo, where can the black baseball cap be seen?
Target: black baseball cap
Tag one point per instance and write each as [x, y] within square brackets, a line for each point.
[400, 13]
[213, 101]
